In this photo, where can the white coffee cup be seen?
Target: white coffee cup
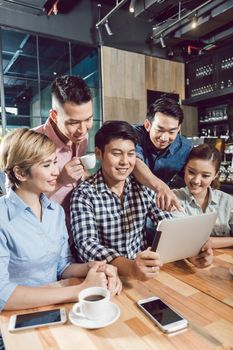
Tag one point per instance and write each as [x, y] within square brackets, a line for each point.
[93, 302]
[88, 161]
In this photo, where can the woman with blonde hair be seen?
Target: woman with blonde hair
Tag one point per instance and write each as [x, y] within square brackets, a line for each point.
[34, 250]
[201, 194]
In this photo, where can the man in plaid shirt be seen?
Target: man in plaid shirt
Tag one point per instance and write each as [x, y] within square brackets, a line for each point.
[108, 210]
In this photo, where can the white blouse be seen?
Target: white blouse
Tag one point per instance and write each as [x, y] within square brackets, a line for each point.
[218, 201]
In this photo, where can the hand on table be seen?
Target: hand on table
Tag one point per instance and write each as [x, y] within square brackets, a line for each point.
[114, 283]
[95, 277]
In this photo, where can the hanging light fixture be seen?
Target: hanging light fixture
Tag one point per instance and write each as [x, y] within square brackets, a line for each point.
[194, 21]
[161, 39]
[107, 27]
[132, 6]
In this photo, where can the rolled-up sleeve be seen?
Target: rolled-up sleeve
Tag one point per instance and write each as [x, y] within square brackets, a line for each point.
[85, 231]
[140, 152]
[6, 286]
[154, 212]
[65, 259]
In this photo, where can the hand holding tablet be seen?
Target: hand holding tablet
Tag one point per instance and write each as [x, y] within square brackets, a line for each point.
[182, 238]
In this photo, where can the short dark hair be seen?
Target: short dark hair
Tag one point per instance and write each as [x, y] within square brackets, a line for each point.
[112, 130]
[167, 106]
[207, 152]
[69, 88]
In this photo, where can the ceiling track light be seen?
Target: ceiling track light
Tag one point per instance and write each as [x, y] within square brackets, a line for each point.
[170, 27]
[107, 27]
[161, 39]
[110, 13]
[194, 22]
[132, 6]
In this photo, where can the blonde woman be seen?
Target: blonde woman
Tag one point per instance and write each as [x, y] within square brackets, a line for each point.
[34, 249]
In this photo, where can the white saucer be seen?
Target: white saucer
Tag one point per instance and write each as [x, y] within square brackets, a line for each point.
[111, 316]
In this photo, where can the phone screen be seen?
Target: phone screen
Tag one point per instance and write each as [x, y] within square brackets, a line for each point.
[161, 312]
[37, 318]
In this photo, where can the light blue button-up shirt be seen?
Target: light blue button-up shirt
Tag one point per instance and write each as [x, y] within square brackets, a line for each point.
[32, 253]
[218, 201]
[2, 182]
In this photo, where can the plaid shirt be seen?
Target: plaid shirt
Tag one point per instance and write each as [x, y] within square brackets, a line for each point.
[105, 228]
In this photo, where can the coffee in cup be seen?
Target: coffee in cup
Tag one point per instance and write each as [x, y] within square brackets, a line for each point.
[93, 303]
[88, 161]
[94, 297]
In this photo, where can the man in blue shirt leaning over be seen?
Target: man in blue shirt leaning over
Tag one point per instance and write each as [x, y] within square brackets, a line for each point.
[161, 150]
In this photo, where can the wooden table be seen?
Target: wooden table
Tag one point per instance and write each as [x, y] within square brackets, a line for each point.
[216, 280]
[210, 322]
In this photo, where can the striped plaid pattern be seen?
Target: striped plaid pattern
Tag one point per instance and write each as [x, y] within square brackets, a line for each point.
[105, 228]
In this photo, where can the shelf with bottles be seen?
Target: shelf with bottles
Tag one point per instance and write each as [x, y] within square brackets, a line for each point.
[209, 76]
[205, 89]
[213, 131]
[224, 86]
[215, 122]
[204, 71]
[227, 63]
[213, 115]
[217, 95]
[226, 168]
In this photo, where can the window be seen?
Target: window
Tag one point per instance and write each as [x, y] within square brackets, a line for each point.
[30, 64]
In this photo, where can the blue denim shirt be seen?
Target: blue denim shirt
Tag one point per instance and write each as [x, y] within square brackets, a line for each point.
[163, 164]
[32, 253]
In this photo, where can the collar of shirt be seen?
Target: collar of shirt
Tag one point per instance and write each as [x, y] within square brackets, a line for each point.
[170, 149]
[49, 130]
[16, 205]
[212, 196]
[61, 147]
[101, 185]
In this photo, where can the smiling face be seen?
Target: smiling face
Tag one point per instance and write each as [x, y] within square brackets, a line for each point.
[199, 175]
[42, 176]
[72, 120]
[118, 160]
[163, 130]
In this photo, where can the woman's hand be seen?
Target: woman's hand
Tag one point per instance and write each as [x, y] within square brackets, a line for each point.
[205, 257]
[113, 281]
[95, 277]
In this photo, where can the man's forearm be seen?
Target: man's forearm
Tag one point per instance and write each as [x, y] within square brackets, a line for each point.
[221, 242]
[124, 266]
[145, 176]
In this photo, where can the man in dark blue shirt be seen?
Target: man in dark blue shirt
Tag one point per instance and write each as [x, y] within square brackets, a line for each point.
[161, 150]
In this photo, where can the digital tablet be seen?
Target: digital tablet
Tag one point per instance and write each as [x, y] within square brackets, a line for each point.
[183, 237]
